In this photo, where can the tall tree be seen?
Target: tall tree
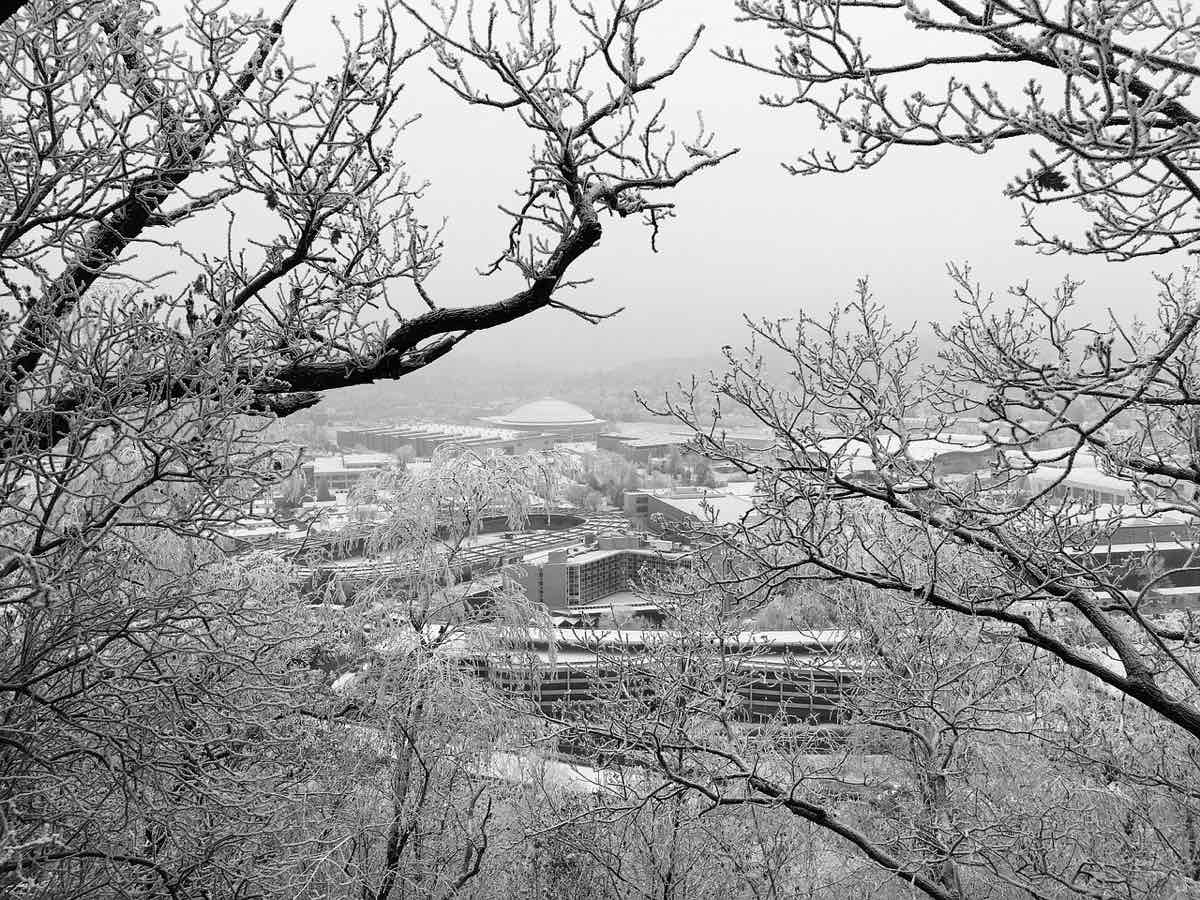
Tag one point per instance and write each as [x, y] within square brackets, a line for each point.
[158, 729]
[865, 488]
[136, 126]
[859, 488]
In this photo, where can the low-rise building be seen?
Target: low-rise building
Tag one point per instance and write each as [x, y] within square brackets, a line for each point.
[642, 443]
[564, 421]
[328, 475]
[1084, 483]
[642, 450]
[425, 439]
[795, 677]
[663, 510]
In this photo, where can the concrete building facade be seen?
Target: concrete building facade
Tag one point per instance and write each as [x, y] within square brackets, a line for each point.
[340, 472]
[789, 676]
[646, 444]
[659, 510]
[574, 577]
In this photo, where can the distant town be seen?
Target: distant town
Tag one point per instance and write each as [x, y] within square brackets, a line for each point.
[446, 452]
[635, 504]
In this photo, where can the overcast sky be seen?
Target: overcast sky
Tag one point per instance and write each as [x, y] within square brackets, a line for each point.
[749, 238]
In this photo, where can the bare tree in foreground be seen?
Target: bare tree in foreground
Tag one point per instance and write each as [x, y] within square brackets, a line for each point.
[134, 131]
[157, 736]
[1016, 634]
[1099, 94]
[1036, 662]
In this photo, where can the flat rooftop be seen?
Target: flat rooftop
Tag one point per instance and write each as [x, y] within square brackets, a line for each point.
[718, 506]
[350, 462]
[589, 556]
[666, 432]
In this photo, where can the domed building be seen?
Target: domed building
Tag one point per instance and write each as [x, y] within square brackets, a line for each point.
[566, 421]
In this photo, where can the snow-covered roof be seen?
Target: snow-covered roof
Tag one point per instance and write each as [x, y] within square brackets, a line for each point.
[547, 413]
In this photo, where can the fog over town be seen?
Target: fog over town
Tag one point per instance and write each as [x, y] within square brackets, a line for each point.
[599, 449]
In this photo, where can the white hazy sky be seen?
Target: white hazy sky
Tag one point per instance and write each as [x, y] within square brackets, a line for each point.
[749, 238]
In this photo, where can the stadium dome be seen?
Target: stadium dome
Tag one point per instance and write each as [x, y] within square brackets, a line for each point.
[552, 417]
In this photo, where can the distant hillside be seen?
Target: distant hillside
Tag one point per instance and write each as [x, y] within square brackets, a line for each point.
[459, 387]
[462, 386]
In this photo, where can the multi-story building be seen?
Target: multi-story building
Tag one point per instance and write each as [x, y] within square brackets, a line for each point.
[794, 677]
[572, 577]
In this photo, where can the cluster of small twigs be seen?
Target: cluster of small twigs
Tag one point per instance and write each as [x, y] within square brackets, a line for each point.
[1097, 92]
